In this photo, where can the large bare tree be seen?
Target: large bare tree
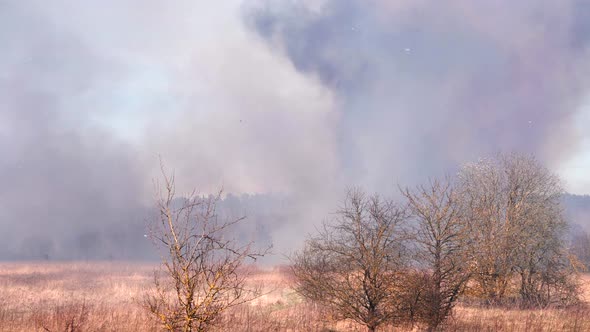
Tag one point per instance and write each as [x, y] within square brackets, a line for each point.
[440, 236]
[355, 264]
[203, 271]
[514, 214]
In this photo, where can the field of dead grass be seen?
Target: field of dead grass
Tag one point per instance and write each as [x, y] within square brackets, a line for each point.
[59, 297]
[73, 296]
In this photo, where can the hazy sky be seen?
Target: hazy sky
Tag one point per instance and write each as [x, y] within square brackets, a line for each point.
[297, 97]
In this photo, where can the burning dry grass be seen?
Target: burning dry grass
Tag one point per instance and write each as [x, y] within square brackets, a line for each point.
[106, 296]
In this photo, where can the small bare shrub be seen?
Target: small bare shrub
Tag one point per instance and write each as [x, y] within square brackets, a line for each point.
[203, 270]
[63, 318]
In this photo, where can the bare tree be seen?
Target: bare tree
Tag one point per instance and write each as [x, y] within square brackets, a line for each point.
[355, 264]
[514, 213]
[204, 272]
[440, 236]
[481, 188]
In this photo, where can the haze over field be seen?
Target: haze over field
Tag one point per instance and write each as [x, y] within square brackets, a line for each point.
[288, 102]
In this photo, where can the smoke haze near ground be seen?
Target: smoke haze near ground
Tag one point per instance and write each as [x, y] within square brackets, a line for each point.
[296, 98]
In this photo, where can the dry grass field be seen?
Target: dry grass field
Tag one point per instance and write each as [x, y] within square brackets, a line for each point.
[62, 297]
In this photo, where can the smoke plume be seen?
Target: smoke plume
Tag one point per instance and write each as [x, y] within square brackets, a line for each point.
[423, 84]
[269, 99]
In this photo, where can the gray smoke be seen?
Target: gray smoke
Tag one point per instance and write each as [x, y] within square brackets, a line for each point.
[91, 93]
[269, 99]
[426, 84]
[67, 188]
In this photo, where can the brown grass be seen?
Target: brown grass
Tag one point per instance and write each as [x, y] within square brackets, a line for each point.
[73, 297]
